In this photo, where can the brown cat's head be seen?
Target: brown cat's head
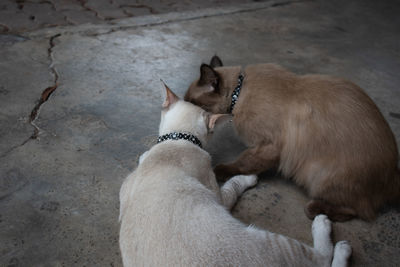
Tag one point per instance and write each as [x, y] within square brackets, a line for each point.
[212, 91]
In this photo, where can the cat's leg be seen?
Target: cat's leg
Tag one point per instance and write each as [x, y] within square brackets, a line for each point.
[253, 160]
[342, 254]
[321, 232]
[234, 187]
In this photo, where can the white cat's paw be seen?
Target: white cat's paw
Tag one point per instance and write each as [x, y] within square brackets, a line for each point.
[321, 225]
[343, 249]
[250, 180]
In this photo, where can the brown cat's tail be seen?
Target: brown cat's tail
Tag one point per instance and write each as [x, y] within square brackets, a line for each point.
[334, 213]
[365, 210]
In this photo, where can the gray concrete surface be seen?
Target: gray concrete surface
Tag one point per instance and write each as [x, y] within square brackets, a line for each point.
[27, 15]
[61, 167]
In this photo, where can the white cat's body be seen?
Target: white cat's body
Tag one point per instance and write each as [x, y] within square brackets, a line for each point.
[174, 214]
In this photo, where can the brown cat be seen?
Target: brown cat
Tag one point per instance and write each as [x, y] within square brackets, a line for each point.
[324, 132]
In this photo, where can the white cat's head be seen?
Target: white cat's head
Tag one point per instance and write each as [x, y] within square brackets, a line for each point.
[180, 116]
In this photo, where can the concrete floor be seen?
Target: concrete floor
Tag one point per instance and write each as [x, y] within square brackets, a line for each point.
[79, 103]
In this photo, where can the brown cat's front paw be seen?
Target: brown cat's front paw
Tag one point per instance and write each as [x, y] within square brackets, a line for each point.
[223, 172]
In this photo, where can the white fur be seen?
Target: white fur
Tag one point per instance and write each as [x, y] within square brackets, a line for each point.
[143, 157]
[342, 254]
[180, 117]
[173, 213]
[234, 187]
[321, 232]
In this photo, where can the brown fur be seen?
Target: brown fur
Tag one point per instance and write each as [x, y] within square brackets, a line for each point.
[323, 131]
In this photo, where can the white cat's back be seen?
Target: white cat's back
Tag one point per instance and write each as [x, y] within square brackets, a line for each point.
[169, 218]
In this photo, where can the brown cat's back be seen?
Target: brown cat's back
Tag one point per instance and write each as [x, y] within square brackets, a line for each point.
[342, 147]
[344, 117]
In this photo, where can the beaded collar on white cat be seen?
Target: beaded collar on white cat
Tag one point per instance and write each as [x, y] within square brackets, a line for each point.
[179, 136]
[236, 92]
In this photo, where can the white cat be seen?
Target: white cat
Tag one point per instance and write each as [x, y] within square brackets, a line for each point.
[173, 212]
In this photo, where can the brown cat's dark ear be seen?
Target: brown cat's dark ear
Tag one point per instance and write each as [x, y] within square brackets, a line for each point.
[216, 62]
[170, 97]
[208, 76]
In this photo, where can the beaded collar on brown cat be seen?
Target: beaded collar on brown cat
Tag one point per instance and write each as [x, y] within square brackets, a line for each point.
[179, 136]
[236, 92]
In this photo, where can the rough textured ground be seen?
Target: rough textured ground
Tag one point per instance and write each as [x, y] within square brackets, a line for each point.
[25, 15]
[80, 103]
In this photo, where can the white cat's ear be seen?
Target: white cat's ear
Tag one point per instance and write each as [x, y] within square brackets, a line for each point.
[170, 97]
[212, 120]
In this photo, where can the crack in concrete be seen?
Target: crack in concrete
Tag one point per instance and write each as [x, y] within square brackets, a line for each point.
[14, 147]
[21, 3]
[46, 92]
[285, 3]
[83, 4]
[43, 98]
[151, 10]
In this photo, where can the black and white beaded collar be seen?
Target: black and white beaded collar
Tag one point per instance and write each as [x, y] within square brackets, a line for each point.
[236, 92]
[178, 136]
